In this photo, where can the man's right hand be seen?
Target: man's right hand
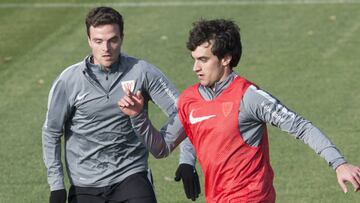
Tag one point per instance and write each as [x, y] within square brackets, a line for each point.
[348, 173]
[58, 196]
[131, 104]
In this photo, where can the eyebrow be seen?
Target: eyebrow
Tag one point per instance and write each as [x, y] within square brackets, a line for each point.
[114, 37]
[201, 57]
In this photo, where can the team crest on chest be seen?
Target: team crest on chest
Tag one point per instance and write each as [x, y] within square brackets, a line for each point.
[227, 108]
[129, 84]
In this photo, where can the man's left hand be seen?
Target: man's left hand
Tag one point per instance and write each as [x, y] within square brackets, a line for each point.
[190, 179]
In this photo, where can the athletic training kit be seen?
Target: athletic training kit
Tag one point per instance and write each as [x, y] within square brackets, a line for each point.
[101, 148]
[227, 126]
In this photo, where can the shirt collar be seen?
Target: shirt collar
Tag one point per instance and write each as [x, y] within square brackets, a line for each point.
[218, 87]
[98, 68]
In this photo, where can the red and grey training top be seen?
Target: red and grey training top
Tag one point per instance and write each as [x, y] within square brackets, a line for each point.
[257, 108]
[234, 171]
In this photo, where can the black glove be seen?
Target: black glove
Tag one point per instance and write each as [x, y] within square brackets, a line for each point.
[190, 179]
[58, 196]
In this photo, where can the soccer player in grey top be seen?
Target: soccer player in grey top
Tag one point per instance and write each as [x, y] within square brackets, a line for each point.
[105, 160]
[216, 48]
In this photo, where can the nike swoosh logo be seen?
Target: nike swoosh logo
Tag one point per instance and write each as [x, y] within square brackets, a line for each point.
[194, 120]
[81, 97]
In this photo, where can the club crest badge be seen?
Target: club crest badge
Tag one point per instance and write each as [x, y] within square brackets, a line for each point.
[130, 84]
[227, 108]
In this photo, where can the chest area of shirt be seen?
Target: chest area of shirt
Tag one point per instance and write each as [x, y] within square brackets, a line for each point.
[209, 121]
[90, 101]
[113, 83]
[207, 112]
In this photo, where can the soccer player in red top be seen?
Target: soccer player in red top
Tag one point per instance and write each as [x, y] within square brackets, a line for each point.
[225, 118]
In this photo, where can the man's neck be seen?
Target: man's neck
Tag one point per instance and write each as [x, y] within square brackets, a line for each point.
[104, 68]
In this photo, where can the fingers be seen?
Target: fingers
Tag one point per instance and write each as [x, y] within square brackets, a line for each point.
[193, 186]
[139, 95]
[342, 185]
[196, 182]
[187, 189]
[177, 175]
[190, 180]
[121, 104]
[138, 98]
[348, 173]
[355, 181]
[189, 185]
[129, 99]
[126, 101]
[197, 185]
[194, 191]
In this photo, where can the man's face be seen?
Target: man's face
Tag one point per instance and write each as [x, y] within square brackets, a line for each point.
[105, 43]
[208, 67]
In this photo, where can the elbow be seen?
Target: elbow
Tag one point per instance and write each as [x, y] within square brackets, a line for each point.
[160, 154]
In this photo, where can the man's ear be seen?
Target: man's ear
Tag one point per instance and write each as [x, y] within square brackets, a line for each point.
[225, 61]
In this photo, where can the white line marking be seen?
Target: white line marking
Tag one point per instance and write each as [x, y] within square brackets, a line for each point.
[175, 3]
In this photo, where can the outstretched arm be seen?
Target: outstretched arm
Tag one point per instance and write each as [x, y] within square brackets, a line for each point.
[266, 108]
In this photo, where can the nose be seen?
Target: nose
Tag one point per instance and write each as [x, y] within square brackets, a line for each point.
[106, 46]
[196, 67]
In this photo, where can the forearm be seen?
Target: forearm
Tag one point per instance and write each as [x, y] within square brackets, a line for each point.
[265, 108]
[51, 144]
[187, 153]
[304, 130]
[321, 144]
[160, 143]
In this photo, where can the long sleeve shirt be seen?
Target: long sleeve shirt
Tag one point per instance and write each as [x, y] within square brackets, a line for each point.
[258, 108]
[101, 147]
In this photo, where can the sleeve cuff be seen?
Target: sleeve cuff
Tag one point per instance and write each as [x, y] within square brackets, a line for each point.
[57, 187]
[338, 162]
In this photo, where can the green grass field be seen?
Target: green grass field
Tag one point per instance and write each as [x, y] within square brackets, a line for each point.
[307, 55]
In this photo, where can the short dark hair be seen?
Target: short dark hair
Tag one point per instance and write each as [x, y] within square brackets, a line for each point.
[103, 16]
[223, 34]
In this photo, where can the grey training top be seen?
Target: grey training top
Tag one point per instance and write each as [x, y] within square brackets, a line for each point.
[101, 147]
[257, 108]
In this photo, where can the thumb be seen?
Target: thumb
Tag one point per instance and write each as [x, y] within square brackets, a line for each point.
[139, 95]
[177, 175]
[342, 185]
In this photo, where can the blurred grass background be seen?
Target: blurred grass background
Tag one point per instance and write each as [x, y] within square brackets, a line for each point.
[306, 54]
